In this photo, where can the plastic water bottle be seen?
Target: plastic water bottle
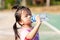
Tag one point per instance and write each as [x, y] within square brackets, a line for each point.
[43, 17]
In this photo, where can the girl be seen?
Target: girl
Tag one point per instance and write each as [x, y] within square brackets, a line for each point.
[23, 18]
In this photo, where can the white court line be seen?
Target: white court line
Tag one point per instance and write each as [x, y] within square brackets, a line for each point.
[51, 26]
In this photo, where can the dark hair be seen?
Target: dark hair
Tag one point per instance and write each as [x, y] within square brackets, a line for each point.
[18, 18]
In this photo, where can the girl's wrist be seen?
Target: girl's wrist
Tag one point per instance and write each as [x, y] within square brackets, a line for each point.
[38, 23]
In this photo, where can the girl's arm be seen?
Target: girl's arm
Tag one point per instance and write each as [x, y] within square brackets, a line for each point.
[33, 32]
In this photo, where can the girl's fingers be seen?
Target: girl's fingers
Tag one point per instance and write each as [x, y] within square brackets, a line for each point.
[37, 19]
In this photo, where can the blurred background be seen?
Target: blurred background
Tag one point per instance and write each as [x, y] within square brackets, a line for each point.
[50, 9]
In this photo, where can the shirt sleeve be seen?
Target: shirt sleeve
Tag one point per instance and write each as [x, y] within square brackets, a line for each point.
[23, 34]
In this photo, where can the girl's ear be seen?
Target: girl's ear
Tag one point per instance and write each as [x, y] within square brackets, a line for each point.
[21, 22]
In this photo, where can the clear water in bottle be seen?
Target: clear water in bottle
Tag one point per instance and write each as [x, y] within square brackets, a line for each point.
[43, 17]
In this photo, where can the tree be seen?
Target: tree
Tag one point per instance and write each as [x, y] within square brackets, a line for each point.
[47, 2]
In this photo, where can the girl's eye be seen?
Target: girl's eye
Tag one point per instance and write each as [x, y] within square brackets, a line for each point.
[26, 15]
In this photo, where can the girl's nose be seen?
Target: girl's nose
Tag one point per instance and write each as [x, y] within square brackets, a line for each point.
[29, 16]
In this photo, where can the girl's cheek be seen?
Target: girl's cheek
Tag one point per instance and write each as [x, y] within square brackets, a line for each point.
[24, 19]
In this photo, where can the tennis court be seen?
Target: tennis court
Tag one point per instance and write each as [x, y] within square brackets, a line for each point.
[46, 33]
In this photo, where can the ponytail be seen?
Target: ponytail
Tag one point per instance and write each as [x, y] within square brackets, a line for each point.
[16, 31]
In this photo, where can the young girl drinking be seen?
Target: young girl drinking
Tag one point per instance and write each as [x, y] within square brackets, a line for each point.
[26, 31]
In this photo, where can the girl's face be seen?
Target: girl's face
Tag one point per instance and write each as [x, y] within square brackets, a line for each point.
[25, 18]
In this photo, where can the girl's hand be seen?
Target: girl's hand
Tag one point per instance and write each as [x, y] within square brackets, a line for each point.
[38, 20]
